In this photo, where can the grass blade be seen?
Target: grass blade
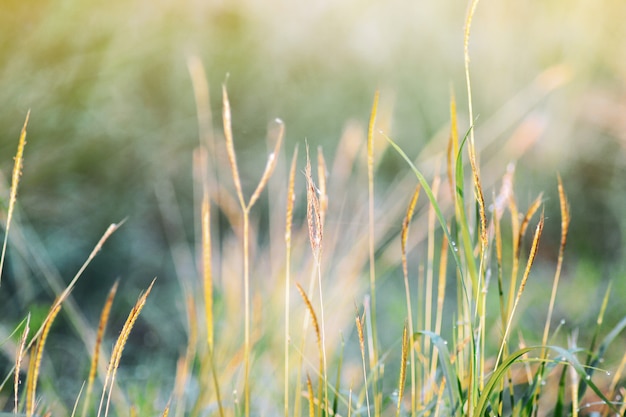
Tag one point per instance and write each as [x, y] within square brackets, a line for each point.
[433, 201]
[452, 383]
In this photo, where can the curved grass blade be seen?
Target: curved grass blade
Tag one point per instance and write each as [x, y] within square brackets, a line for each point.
[569, 357]
[600, 354]
[495, 379]
[433, 201]
[452, 384]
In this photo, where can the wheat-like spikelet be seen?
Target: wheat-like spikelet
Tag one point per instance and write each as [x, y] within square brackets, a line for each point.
[230, 145]
[318, 333]
[245, 208]
[31, 390]
[15, 180]
[359, 328]
[313, 211]
[104, 319]
[18, 361]
[529, 263]
[309, 388]
[527, 217]
[565, 219]
[403, 361]
[118, 348]
[405, 270]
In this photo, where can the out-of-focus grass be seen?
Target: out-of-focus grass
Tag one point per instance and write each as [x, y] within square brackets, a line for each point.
[114, 117]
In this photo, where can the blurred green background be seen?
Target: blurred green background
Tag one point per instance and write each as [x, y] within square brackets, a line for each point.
[113, 118]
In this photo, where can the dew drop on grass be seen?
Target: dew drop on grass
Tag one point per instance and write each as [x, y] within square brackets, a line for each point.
[608, 373]
[588, 378]
[562, 322]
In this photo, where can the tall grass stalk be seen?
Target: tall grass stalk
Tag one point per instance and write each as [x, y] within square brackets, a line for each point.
[315, 221]
[405, 272]
[18, 362]
[372, 263]
[33, 375]
[291, 198]
[245, 208]
[104, 319]
[15, 180]
[361, 336]
[118, 348]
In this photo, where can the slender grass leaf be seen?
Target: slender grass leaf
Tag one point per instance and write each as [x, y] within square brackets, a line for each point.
[452, 383]
[433, 201]
[495, 379]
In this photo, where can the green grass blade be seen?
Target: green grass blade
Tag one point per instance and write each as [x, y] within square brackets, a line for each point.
[569, 357]
[597, 358]
[433, 201]
[459, 202]
[452, 383]
[495, 379]
[559, 409]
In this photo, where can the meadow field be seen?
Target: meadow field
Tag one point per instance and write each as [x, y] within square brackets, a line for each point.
[324, 208]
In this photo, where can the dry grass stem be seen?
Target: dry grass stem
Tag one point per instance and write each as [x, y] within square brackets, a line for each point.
[104, 319]
[15, 180]
[405, 270]
[272, 159]
[18, 362]
[527, 217]
[291, 199]
[565, 219]
[202, 96]
[318, 333]
[118, 348]
[529, 263]
[372, 263]
[269, 169]
[31, 391]
[207, 275]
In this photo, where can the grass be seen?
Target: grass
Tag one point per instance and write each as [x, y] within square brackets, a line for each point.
[459, 348]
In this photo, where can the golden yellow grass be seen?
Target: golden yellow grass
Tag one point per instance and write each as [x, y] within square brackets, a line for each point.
[15, 180]
[118, 348]
[104, 319]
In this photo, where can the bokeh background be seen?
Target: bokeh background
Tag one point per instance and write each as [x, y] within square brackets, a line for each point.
[113, 122]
